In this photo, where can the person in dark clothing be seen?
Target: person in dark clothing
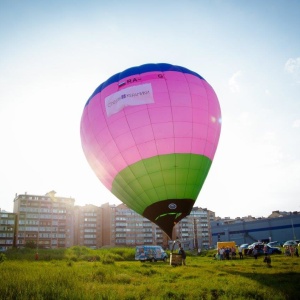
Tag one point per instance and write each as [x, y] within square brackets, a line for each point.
[255, 253]
[183, 255]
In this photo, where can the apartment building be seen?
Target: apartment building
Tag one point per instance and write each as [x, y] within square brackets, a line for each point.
[128, 228]
[49, 221]
[88, 226]
[7, 230]
[194, 231]
[45, 221]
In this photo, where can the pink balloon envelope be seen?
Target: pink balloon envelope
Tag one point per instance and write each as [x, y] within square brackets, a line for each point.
[150, 134]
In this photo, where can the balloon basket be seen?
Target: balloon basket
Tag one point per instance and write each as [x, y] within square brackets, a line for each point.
[175, 259]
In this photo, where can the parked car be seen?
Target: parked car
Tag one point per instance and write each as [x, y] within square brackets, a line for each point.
[290, 243]
[274, 244]
[256, 245]
[260, 249]
[274, 250]
[244, 246]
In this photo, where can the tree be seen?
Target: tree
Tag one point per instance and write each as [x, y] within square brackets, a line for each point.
[30, 244]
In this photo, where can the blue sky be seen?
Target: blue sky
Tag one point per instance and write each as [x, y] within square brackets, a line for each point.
[55, 53]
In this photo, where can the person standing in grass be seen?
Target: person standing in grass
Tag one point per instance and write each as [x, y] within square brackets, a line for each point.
[267, 260]
[255, 252]
[227, 252]
[233, 253]
[183, 255]
[292, 251]
[240, 250]
[222, 250]
[265, 249]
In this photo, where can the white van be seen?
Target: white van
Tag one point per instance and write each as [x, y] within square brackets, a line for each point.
[150, 253]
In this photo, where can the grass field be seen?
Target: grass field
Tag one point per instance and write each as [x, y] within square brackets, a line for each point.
[82, 273]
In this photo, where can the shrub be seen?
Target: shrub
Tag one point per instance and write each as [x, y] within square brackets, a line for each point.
[2, 257]
[108, 260]
[30, 244]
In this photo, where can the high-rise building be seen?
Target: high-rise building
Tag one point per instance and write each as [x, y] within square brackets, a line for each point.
[194, 231]
[88, 226]
[44, 221]
[50, 221]
[108, 219]
[125, 227]
[7, 229]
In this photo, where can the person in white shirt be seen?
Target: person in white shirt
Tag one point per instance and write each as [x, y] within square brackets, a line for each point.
[240, 250]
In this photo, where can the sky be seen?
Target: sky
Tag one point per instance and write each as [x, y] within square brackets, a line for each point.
[54, 54]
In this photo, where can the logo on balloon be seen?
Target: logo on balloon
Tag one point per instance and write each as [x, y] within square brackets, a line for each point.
[131, 96]
[172, 206]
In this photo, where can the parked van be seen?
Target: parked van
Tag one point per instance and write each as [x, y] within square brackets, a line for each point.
[150, 253]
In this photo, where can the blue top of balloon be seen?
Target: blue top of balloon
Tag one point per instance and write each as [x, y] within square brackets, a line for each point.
[161, 67]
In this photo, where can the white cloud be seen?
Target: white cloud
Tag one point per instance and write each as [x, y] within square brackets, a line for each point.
[293, 65]
[296, 123]
[233, 82]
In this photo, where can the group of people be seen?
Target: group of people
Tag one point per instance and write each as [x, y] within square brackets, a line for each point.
[230, 253]
[226, 253]
[291, 251]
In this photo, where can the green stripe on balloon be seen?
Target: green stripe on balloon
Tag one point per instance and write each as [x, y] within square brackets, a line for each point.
[159, 178]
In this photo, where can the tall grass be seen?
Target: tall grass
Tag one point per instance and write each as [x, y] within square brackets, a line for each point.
[76, 253]
[72, 274]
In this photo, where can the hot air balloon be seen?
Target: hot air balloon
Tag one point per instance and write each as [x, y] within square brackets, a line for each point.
[150, 134]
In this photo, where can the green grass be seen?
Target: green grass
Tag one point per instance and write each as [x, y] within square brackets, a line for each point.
[112, 273]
